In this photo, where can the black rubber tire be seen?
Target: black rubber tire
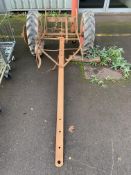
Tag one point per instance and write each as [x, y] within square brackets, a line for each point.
[32, 29]
[88, 23]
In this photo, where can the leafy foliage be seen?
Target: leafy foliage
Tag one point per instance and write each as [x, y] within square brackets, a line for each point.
[56, 14]
[95, 79]
[112, 57]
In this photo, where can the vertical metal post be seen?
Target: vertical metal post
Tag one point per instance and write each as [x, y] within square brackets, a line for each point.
[74, 13]
[106, 5]
[60, 108]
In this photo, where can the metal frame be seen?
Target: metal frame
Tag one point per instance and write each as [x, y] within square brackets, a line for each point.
[63, 33]
[117, 10]
[7, 44]
[3, 67]
[65, 29]
[106, 9]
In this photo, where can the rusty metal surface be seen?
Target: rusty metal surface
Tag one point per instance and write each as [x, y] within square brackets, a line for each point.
[60, 108]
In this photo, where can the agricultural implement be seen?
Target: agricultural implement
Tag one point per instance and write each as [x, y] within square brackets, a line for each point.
[64, 28]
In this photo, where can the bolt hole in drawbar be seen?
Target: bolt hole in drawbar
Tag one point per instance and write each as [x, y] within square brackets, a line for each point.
[59, 162]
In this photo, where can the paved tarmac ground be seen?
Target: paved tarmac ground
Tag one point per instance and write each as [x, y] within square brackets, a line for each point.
[101, 142]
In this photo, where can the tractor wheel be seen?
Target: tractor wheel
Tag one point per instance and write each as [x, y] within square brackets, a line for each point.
[33, 29]
[87, 30]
